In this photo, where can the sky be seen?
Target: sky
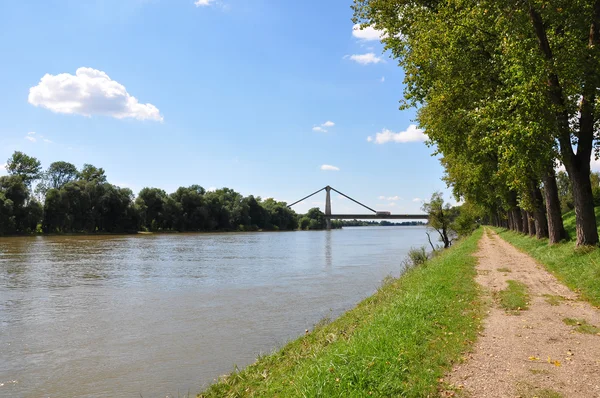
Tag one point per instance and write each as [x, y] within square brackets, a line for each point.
[270, 98]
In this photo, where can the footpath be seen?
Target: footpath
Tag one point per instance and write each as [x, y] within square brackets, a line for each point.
[551, 349]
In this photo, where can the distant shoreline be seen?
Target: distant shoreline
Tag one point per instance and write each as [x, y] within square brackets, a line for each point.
[145, 233]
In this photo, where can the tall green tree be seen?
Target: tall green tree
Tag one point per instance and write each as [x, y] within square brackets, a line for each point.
[24, 166]
[441, 217]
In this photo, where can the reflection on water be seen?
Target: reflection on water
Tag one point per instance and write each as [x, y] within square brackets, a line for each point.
[160, 315]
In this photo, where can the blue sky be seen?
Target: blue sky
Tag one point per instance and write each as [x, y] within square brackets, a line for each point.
[256, 95]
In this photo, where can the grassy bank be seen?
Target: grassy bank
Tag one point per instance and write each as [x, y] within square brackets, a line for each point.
[578, 268]
[398, 342]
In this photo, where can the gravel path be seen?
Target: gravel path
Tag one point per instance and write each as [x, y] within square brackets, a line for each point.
[533, 353]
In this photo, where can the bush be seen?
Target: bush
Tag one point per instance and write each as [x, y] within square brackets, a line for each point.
[415, 257]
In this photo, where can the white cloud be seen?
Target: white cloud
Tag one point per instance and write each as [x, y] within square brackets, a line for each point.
[365, 59]
[328, 167]
[89, 92]
[204, 3]
[321, 128]
[211, 189]
[30, 138]
[411, 134]
[368, 33]
[31, 133]
[417, 200]
[382, 79]
[46, 140]
[390, 198]
[3, 168]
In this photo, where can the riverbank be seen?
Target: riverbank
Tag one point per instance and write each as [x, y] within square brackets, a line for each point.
[399, 342]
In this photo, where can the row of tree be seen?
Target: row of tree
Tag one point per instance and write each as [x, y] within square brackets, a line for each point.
[506, 91]
[68, 200]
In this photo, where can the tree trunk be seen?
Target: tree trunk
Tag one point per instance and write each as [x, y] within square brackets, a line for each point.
[518, 224]
[531, 223]
[539, 214]
[585, 217]
[523, 219]
[576, 162]
[556, 229]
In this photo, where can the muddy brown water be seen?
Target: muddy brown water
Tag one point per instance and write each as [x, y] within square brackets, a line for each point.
[164, 315]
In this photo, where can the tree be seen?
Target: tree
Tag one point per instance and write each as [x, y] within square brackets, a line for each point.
[92, 174]
[26, 167]
[151, 202]
[482, 83]
[441, 217]
[60, 173]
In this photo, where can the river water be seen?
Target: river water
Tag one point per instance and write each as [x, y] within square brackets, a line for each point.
[162, 315]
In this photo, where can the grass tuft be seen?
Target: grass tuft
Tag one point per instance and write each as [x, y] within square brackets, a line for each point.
[503, 269]
[554, 300]
[398, 342]
[581, 326]
[514, 298]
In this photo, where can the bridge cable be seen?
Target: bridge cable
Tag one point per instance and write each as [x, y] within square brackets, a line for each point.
[298, 201]
[355, 201]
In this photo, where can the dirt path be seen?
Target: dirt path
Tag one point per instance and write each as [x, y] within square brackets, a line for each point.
[533, 353]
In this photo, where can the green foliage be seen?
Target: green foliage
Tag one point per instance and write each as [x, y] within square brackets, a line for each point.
[503, 91]
[26, 167]
[565, 192]
[77, 202]
[397, 343]
[415, 257]
[441, 217]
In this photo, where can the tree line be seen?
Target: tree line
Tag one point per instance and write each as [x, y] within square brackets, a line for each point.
[506, 92]
[64, 199]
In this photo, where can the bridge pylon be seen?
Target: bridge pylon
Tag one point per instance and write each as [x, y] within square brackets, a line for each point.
[328, 206]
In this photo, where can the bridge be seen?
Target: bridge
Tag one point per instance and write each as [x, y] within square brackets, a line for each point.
[382, 215]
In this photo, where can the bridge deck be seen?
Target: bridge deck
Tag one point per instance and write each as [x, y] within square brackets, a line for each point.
[377, 217]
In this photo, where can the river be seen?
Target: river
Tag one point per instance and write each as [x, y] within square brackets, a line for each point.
[164, 315]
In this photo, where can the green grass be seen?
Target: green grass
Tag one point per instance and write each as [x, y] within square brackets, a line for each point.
[554, 300]
[398, 342]
[514, 298]
[579, 269]
[581, 326]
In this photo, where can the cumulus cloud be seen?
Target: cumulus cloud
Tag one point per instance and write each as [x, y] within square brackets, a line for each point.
[211, 189]
[382, 79]
[89, 92]
[390, 198]
[365, 59]
[328, 167]
[321, 128]
[3, 169]
[411, 134]
[417, 200]
[368, 33]
[30, 138]
[204, 3]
